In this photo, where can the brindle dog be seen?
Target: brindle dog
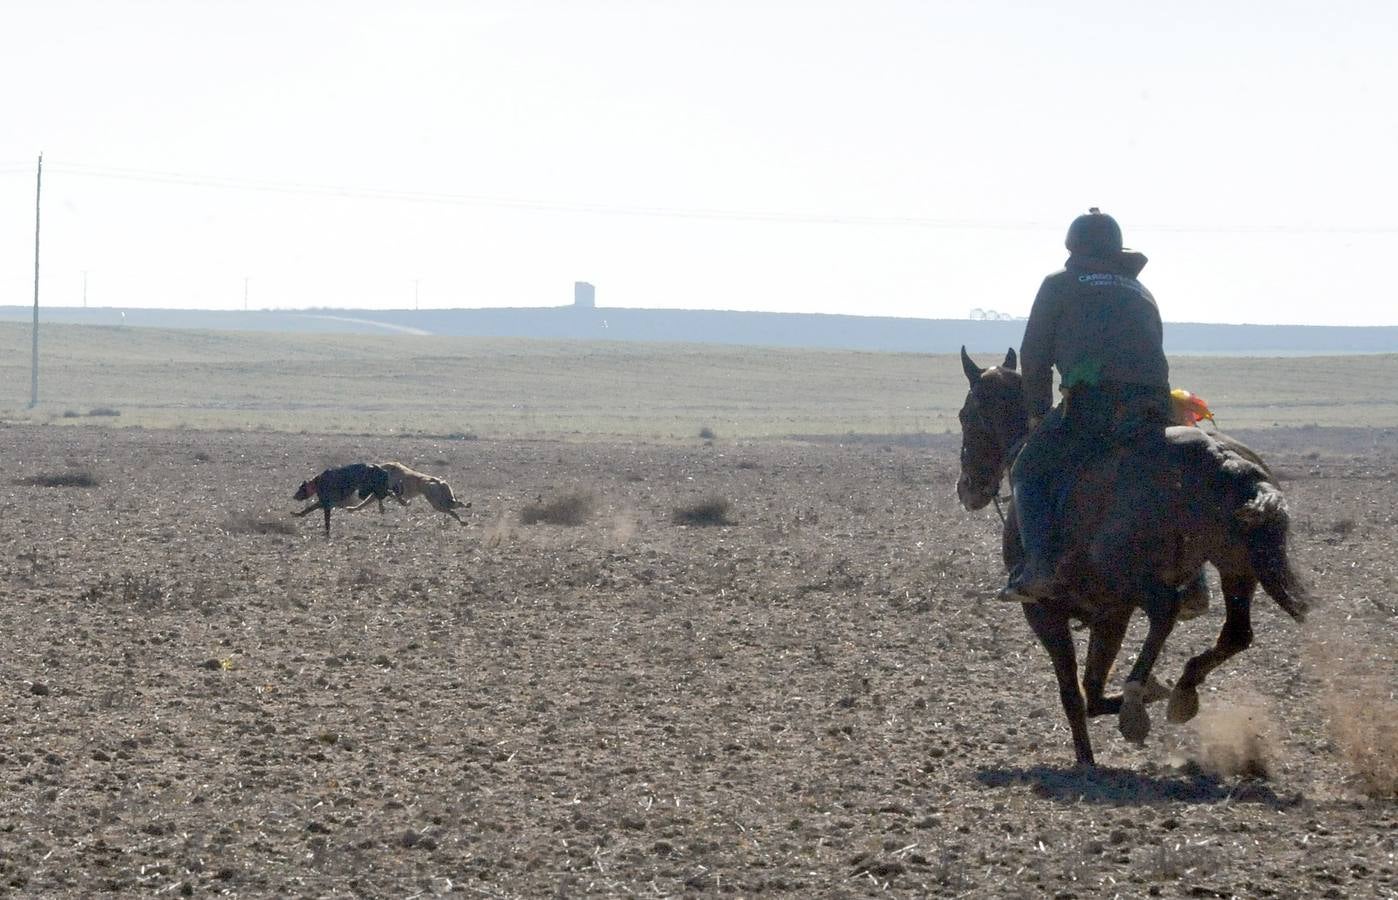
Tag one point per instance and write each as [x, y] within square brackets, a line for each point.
[1136, 526]
[339, 487]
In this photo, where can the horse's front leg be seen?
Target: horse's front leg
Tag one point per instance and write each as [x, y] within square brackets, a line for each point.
[1162, 608]
[1235, 637]
[1103, 645]
[1053, 632]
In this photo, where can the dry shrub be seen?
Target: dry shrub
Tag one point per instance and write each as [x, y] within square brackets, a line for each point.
[131, 588]
[1364, 726]
[706, 433]
[497, 532]
[73, 478]
[103, 411]
[570, 509]
[624, 527]
[710, 511]
[246, 523]
[1360, 705]
[1237, 738]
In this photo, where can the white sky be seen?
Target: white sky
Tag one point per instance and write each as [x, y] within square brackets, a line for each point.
[883, 158]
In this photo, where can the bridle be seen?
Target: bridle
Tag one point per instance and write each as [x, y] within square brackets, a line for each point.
[999, 497]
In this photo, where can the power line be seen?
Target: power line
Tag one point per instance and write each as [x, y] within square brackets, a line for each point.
[701, 214]
[530, 204]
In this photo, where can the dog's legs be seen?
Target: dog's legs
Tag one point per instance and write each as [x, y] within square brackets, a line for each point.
[327, 522]
[307, 511]
[452, 513]
[362, 503]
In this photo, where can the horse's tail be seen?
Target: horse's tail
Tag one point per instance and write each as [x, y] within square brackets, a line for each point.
[1266, 523]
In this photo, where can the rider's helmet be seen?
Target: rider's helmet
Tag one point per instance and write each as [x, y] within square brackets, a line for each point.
[1094, 234]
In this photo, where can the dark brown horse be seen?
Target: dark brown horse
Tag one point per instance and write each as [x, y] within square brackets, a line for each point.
[1136, 525]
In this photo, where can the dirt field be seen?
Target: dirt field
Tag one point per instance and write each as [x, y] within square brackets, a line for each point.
[820, 699]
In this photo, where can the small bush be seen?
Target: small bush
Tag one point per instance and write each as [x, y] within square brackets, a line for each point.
[1366, 734]
[71, 413]
[103, 411]
[570, 509]
[711, 511]
[75, 478]
[201, 456]
[246, 523]
[706, 433]
[131, 588]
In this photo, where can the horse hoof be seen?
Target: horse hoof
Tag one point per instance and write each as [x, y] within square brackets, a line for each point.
[1133, 721]
[1184, 705]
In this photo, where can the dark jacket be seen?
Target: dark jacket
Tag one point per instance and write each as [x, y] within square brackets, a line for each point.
[1096, 323]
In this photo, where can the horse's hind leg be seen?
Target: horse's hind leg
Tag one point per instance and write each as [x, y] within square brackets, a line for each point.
[1232, 640]
[1161, 607]
[1053, 632]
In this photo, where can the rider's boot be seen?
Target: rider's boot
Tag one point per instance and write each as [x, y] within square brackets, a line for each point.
[1033, 579]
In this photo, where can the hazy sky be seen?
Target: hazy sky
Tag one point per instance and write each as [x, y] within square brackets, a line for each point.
[886, 158]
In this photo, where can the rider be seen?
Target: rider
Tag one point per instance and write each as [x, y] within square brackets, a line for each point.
[1101, 328]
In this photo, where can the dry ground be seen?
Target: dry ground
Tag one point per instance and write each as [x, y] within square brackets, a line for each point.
[818, 700]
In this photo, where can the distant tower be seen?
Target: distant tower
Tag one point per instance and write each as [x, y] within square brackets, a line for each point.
[584, 295]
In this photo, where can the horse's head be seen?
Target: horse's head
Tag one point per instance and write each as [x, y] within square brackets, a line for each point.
[992, 421]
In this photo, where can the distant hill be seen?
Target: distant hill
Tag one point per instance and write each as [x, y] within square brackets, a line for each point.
[879, 333]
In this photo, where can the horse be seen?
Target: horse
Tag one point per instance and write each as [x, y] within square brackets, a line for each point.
[1137, 524]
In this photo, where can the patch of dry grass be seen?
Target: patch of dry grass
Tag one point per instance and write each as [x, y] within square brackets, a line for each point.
[1360, 707]
[707, 512]
[1364, 727]
[573, 508]
[71, 478]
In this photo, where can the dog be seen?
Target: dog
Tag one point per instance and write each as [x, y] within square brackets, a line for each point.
[405, 484]
[339, 487]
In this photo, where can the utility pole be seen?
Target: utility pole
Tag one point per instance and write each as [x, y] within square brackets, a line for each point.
[34, 372]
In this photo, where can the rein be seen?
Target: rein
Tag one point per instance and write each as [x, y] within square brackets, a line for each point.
[1010, 455]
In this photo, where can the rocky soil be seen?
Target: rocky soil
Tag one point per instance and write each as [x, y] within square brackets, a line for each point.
[203, 696]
